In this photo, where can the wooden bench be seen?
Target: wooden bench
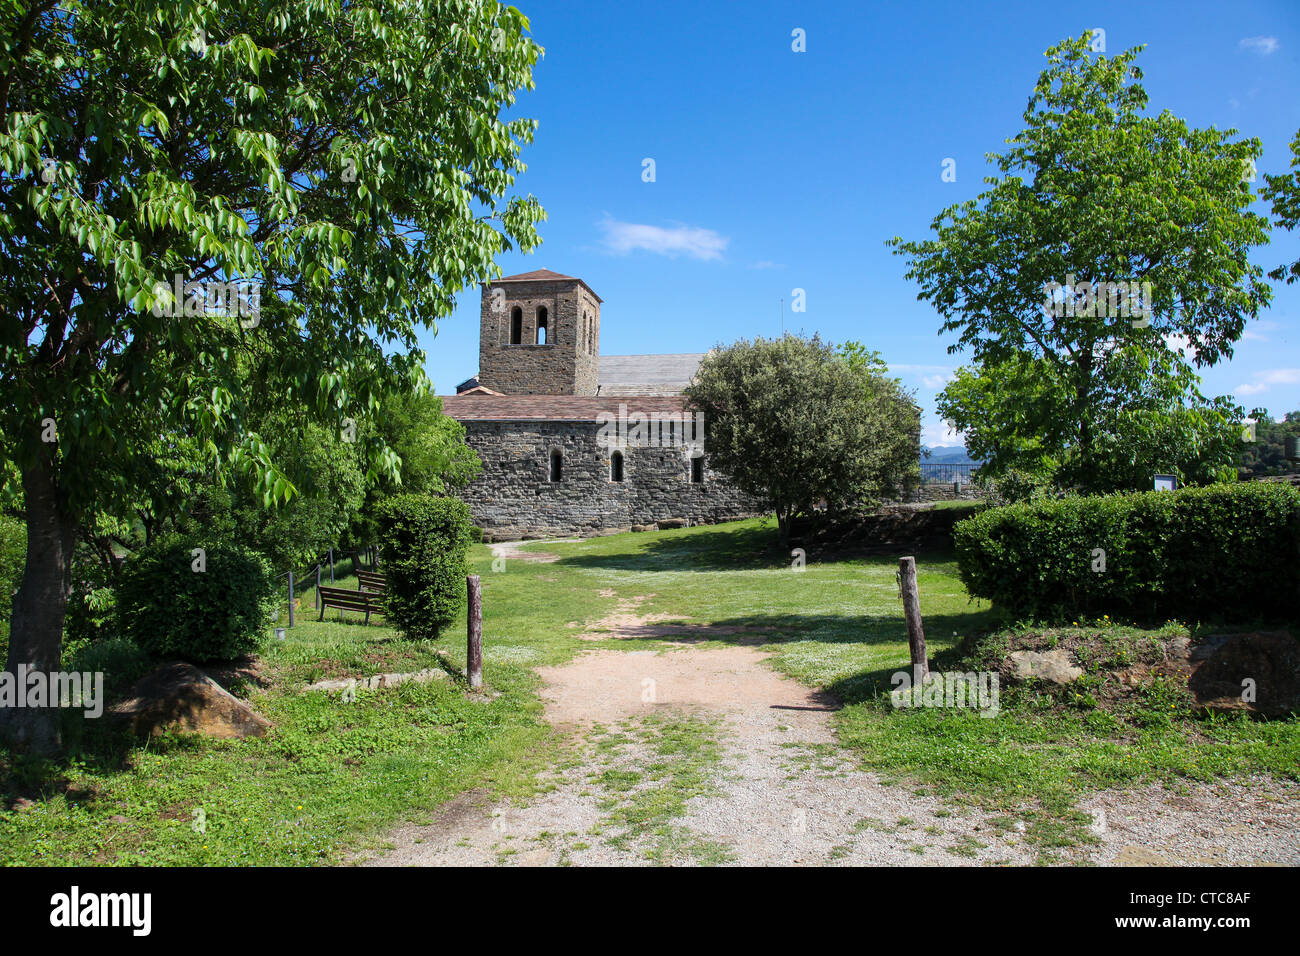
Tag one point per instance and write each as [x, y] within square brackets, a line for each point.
[371, 581]
[346, 600]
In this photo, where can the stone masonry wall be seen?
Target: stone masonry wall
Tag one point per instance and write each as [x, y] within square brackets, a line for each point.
[514, 499]
[563, 366]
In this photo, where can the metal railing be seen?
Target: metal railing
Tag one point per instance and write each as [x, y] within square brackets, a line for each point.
[943, 473]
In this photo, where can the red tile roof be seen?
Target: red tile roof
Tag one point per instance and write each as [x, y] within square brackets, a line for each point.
[554, 408]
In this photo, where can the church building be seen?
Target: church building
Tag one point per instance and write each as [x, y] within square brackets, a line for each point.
[573, 442]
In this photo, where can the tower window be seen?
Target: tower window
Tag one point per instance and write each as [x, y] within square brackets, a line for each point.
[542, 328]
[557, 465]
[697, 470]
[616, 466]
[516, 325]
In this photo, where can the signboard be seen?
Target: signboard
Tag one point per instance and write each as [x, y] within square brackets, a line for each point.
[1166, 482]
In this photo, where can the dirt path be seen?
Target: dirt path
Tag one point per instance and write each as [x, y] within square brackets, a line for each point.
[706, 755]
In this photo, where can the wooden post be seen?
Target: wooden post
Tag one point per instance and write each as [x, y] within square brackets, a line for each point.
[912, 612]
[291, 599]
[318, 585]
[331, 566]
[474, 628]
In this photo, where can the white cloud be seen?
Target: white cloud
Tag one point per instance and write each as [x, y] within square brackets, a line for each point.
[940, 433]
[693, 241]
[1261, 45]
[930, 376]
[1266, 380]
[1176, 342]
[1257, 333]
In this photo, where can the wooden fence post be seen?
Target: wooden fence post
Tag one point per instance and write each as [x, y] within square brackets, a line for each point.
[912, 612]
[474, 628]
[291, 599]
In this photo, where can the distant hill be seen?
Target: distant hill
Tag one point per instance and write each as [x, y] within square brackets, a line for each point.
[947, 455]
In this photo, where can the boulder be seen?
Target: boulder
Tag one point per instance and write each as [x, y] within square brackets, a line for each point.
[1054, 666]
[181, 697]
[1258, 673]
[668, 523]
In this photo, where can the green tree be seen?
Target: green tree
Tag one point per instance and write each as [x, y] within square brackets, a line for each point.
[349, 159]
[1284, 193]
[1096, 190]
[792, 421]
[431, 447]
[1266, 455]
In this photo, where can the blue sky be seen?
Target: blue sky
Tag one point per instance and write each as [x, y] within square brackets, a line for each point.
[777, 170]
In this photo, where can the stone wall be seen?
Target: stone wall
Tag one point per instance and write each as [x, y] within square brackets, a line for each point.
[564, 365]
[513, 498]
[946, 491]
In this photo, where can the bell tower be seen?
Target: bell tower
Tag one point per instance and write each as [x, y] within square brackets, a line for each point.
[539, 334]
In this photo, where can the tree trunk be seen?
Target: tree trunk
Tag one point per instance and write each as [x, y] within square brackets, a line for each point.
[36, 627]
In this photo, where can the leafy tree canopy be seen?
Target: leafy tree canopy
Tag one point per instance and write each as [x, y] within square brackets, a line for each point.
[1094, 190]
[1283, 192]
[793, 421]
[347, 165]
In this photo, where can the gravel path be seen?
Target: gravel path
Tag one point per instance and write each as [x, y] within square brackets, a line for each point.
[706, 755]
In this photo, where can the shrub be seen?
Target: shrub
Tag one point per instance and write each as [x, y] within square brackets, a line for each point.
[1222, 552]
[172, 610]
[424, 544]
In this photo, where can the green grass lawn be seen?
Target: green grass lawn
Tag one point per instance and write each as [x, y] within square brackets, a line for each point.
[332, 777]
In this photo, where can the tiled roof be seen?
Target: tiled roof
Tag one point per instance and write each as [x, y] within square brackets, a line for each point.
[537, 275]
[640, 388]
[556, 408]
[544, 275]
[672, 369]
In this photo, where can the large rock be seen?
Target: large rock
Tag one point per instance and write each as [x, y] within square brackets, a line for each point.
[1265, 663]
[1054, 666]
[181, 697]
[669, 523]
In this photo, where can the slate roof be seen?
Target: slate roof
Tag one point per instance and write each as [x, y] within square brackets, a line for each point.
[647, 374]
[555, 408]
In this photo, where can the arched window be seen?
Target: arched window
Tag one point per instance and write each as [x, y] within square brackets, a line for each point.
[697, 470]
[557, 465]
[542, 329]
[516, 326]
[616, 466]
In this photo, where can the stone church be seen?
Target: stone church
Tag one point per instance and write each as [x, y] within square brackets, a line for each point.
[573, 442]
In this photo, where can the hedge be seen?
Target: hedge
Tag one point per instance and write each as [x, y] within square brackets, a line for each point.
[171, 609]
[1223, 552]
[424, 545]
